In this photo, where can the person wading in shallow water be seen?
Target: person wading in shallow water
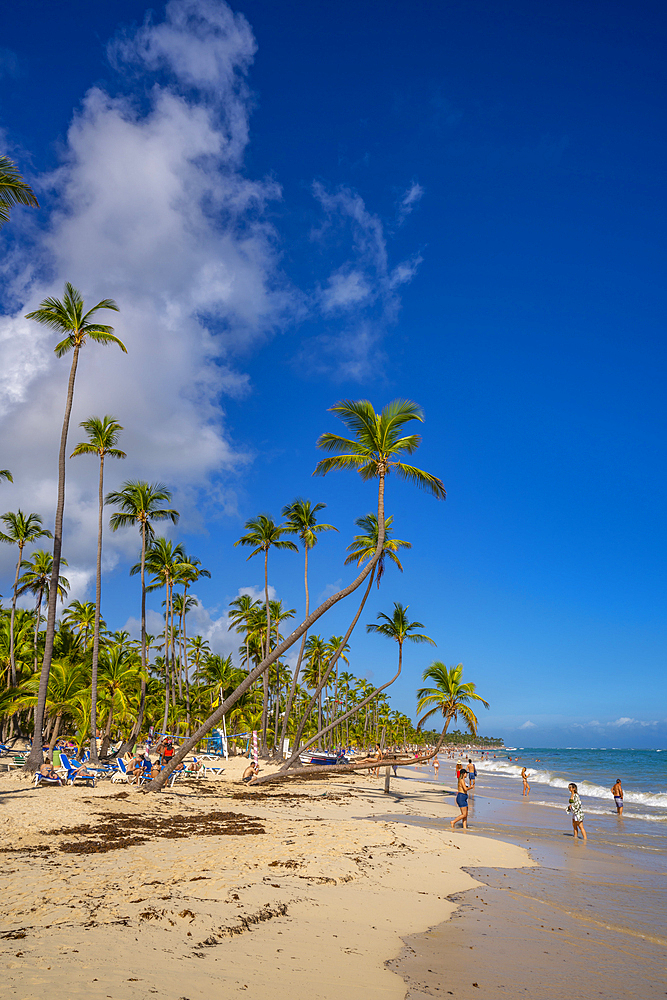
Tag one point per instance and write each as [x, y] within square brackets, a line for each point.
[575, 808]
[526, 786]
[617, 792]
[462, 802]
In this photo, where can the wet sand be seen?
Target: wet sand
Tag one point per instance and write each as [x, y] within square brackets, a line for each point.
[589, 921]
[216, 889]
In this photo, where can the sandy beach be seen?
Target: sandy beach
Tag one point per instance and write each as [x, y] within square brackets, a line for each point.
[215, 888]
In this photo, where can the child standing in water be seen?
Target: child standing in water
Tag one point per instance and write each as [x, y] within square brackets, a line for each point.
[575, 808]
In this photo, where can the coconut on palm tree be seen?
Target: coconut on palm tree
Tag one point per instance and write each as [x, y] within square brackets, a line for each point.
[36, 579]
[450, 697]
[77, 327]
[13, 190]
[140, 504]
[301, 520]
[102, 439]
[21, 530]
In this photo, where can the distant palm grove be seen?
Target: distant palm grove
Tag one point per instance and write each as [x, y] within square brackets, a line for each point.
[64, 672]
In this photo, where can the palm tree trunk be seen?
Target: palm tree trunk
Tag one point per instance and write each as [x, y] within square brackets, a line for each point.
[166, 660]
[96, 627]
[136, 729]
[265, 692]
[38, 615]
[12, 660]
[54, 734]
[107, 732]
[295, 678]
[331, 664]
[36, 756]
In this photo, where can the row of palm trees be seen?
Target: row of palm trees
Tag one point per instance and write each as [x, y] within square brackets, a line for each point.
[377, 447]
[120, 689]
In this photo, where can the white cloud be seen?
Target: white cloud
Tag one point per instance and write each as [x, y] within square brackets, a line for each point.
[528, 725]
[362, 291]
[410, 200]
[154, 211]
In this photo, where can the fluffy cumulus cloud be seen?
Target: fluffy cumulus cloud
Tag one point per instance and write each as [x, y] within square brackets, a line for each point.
[154, 211]
[152, 207]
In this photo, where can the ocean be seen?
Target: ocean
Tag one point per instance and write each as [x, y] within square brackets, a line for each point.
[604, 900]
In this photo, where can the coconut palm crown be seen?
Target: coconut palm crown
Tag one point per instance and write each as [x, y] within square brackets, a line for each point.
[13, 190]
[450, 697]
[363, 546]
[379, 443]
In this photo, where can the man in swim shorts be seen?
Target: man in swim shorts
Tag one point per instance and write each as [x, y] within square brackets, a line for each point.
[462, 802]
[617, 792]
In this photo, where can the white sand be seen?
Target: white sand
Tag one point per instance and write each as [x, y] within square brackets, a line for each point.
[313, 907]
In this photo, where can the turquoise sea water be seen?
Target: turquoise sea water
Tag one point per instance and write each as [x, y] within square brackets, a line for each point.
[643, 774]
[618, 878]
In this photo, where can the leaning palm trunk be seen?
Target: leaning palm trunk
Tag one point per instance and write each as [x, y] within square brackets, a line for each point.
[157, 783]
[128, 744]
[96, 627]
[321, 682]
[36, 756]
[338, 767]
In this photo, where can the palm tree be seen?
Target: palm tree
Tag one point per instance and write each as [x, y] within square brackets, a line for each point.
[120, 671]
[240, 618]
[375, 451]
[141, 503]
[68, 318]
[163, 559]
[301, 521]
[378, 445]
[80, 617]
[13, 190]
[262, 534]
[363, 546]
[316, 651]
[36, 579]
[6, 474]
[20, 529]
[102, 438]
[399, 629]
[450, 697]
[188, 572]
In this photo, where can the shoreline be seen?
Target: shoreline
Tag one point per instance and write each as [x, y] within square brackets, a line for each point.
[305, 890]
[590, 914]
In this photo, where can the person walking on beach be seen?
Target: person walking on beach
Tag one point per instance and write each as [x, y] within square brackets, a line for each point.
[575, 808]
[472, 773]
[526, 786]
[617, 792]
[462, 801]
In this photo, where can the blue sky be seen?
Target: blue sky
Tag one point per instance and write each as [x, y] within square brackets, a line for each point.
[462, 205]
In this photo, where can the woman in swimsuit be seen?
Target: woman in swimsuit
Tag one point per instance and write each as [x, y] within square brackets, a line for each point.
[526, 786]
[575, 808]
[462, 802]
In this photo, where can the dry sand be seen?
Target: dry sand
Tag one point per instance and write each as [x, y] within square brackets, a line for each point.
[216, 889]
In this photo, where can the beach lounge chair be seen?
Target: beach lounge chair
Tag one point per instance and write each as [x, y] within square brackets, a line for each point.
[71, 766]
[42, 779]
